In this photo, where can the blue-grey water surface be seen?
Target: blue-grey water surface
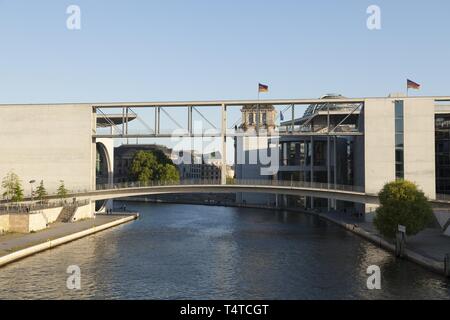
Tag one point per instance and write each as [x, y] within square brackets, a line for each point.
[200, 252]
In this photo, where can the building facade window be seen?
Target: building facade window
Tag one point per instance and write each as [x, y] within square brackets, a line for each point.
[399, 140]
[443, 154]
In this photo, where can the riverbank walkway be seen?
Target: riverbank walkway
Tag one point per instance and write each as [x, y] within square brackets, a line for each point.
[14, 242]
[430, 243]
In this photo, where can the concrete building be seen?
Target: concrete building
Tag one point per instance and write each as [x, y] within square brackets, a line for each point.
[369, 144]
[54, 143]
[377, 141]
[249, 149]
[195, 166]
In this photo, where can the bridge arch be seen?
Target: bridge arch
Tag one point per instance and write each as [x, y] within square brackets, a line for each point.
[350, 196]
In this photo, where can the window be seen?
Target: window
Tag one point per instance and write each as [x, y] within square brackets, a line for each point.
[399, 140]
[250, 119]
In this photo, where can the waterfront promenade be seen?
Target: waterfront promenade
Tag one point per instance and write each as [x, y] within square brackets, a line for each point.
[430, 243]
[15, 246]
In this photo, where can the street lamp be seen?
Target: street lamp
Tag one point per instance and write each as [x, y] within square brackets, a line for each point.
[31, 184]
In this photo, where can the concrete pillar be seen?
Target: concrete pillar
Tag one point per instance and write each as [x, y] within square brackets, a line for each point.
[328, 167]
[293, 118]
[157, 120]
[224, 145]
[190, 120]
[312, 168]
[335, 169]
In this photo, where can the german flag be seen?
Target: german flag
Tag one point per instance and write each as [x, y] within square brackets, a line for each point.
[263, 88]
[413, 85]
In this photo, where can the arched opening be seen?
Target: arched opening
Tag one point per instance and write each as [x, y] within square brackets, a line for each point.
[103, 172]
[103, 168]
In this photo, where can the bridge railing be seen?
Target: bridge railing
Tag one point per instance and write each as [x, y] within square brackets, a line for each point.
[256, 182]
[28, 207]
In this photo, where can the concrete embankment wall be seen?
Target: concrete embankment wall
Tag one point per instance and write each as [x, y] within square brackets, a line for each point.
[84, 212]
[34, 221]
[4, 223]
[428, 263]
[40, 220]
[20, 254]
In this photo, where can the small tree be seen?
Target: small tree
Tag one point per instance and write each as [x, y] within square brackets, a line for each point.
[13, 187]
[62, 191]
[18, 192]
[41, 192]
[402, 203]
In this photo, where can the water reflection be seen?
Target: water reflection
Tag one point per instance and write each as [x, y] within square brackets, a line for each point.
[195, 252]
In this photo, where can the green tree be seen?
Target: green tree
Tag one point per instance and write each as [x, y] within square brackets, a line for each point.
[402, 203]
[18, 192]
[62, 192]
[168, 173]
[41, 192]
[146, 167]
[143, 167]
[13, 187]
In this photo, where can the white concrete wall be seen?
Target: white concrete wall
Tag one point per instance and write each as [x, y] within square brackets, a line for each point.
[250, 168]
[37, 222]
[50, 215]
[19, 223]
[419, 143]
[84, 212]
[420, 164]
[4, 223]
[379, 143]
[50, 143]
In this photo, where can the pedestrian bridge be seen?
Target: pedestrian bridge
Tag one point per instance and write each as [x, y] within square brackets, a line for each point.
[305, 189]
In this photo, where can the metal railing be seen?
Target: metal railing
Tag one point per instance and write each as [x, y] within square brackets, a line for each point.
[23, 208]
[26, 207]
[257, 182]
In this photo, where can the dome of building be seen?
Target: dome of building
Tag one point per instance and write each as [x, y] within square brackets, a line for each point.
[316, 108]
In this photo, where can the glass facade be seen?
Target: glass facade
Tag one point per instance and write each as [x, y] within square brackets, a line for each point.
[399, 140]
[443, 154]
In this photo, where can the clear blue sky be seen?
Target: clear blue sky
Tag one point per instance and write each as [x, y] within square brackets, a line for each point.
[208, 49]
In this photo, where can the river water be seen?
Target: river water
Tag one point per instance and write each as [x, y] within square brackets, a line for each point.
[197, 252]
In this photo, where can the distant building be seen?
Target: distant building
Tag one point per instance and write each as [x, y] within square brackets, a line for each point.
[195, 166]
[248, 148]
[317, 157]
